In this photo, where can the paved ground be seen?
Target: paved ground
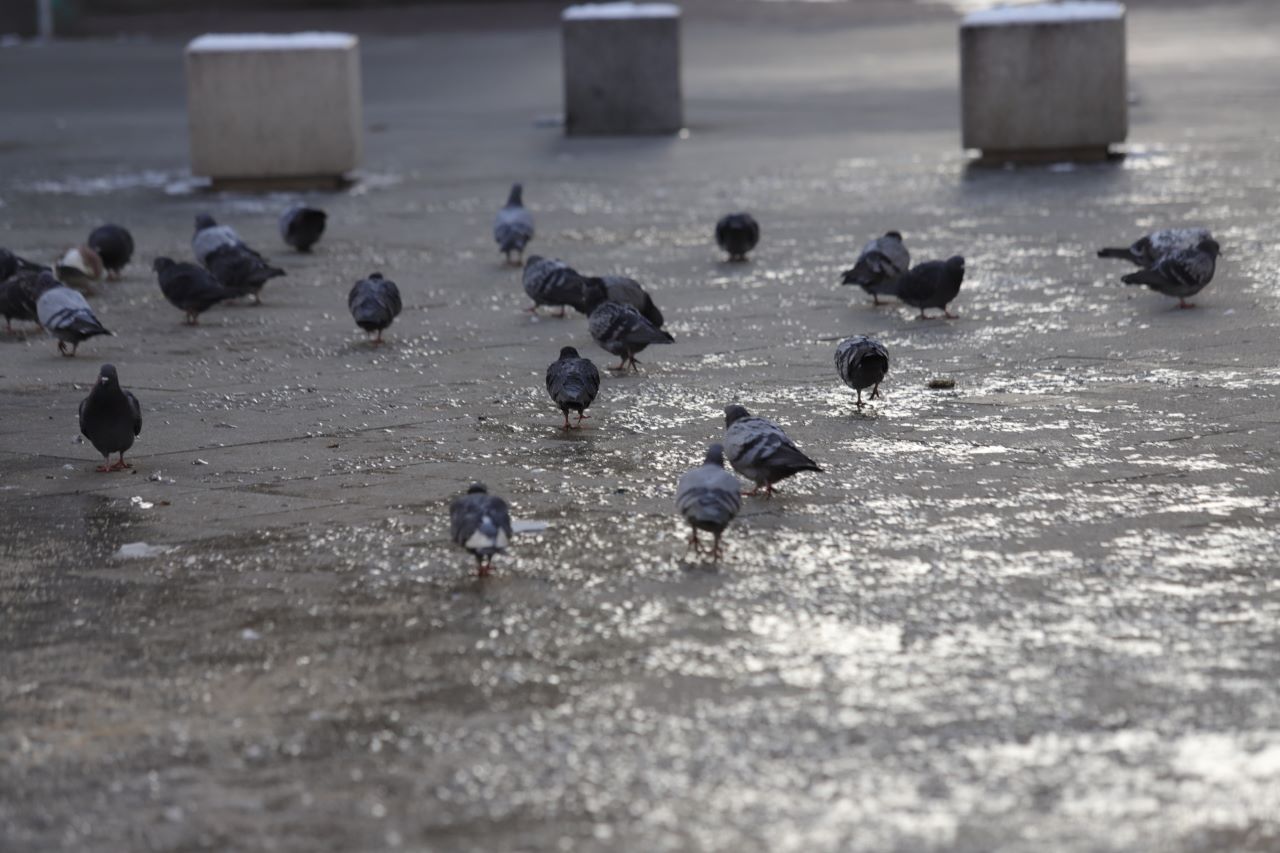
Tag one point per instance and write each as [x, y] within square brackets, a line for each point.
[1037, 612]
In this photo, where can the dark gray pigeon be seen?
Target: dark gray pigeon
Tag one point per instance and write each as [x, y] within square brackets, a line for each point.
[241, 270]
[573, 382]
[210, 236]
[64, 314]
[708, 499]
[862, 363]
[481, 523]
[627, 291]
[1181, 274]
[878, 268]
[1149, 250]
[550, 281]
[19, 293]
[759, 450]
[513, 226]
[190, 288]
[114, 246]
[110, 418]
[374, 303]
[619, 329]
[932, 284]
[11, 264]
[737, 234]
[301, 226]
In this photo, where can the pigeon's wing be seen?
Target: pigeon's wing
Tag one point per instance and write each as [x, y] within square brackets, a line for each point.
[136, 410]
[84, 403]
[627, 325]
[512, 228]
[391, 296]
[208, 240]
[759, 443]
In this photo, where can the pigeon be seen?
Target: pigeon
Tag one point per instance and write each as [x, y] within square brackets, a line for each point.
[708, 499]
[862, 363]
[79, 267]
[301, 226]
[114, 246]
[932, 284]
[573, 382]
[881, 263]
[737, 234]
[374, 303]
[110, 418]
[189, 287]
[620, 329]
[513, 226]
[550, 281]
[241, 270]
[1147, 251]
[210, 236]
[1181, 274]
[481, 523]
[759, 450]
[11, 264]
[65, 315]
[19, 293]
[628, 291]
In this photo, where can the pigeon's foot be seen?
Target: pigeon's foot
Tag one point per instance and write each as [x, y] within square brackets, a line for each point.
[120, 464]
[620, 367]
[1182, 303]
[566, 426]
[716, 551]
[875, 299]
[377, 341]
[875, 392]
[257, 300]
[484, 567]
[533, 309]
[693, 541]
[923, 316]
[62, 349]
[559, 313]
[104, 469]
[860, 403]
[949, 315]
[581, 418]
[191, 320]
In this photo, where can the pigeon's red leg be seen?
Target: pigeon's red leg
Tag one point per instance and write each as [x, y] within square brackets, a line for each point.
[559, 313]
[1182, 303]
[622, 365]
[715, 549]
[768, 490]
[859, 390]
[566, 426]
[120, 465]
[693, 541]
[949, 315]
[875, 299]
[533, 309]
[923, 316]
[582, 417]
[752, 493]
[482, 567]
[377, 341]
[104, 468]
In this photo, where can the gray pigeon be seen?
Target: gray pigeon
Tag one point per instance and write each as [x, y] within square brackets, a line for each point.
[11, 263]
[1181, 274]
[301, 226]
[862, 363]
[241, 270]
[18, 295]
[759, 450]
[481, 523]
[573, 382]
[513, 226]
[190, 288]
[550, 281]
[619, 329]
[878, 268]
[1149, 250]
[211, 236]
[737, 234]
[114, 246]
[374, 303]
[708, 499]
[110, 418]
[65, 315]
[627, 291]
[932, 284]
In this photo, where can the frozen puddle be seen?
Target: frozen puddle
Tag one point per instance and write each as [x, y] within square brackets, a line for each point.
[141, 550]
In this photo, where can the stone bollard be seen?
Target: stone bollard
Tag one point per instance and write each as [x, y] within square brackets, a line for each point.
[1044, 82]
[622, 69]
[274, 110]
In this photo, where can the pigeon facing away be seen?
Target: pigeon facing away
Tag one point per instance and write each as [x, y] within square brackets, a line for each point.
[620, 329]
[79, 267]
[628, 291]
[573, 382]
[932, 284]
[759, 450]
[550, 281]
[878, 268]
[189, 287]
[1181, 274]
[65, 315]
[211, 236]
[737, 234]
[1147, 251]
[708, 499]
[862, 363]
[374, 303]
[19, 293]
[114, 246]
[11, 264]
[513, 226]
[301, 226]
[481, 523]
[110, 418]
[241, 270]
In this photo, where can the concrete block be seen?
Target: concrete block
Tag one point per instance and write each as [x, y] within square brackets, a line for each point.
[622, 69]
[1044, 82]
[274, 108]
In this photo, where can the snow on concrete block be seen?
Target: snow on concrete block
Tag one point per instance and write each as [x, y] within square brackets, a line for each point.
[622, 69]
[1043, 82]
[274, 108]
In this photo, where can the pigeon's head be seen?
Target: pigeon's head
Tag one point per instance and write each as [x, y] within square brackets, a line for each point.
[715, 455]
[568, 352]
[734, 413]
[204, 221]
[375, 276]
[531, 260]
[594, 294]
[478, 489]
[955, 267]
[161, 264]
[107, 375]
[894, 235]
[517, 195]
[1210, 247]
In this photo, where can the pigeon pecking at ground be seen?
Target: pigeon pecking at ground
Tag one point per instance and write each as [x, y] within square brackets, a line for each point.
[1181, 274]
[708, 499]
[110, 418]
[759, 450]
[550, 281]
[301, 226]
[189, 287]
[628, 291]
[879, 266]
[241, 270]
[480, 523]
[1149, 250]
[114, 246]
[64, 314]
[211, 236]
[374, 303]
[737, 234]
[19, 293]
[573, 382]
[79, 267]
[619, 329]
[862, 363]
[932, 284]
[513, 226]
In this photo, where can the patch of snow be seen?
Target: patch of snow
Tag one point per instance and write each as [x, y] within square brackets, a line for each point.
[272, 41]
[527, 526]
[138, 550]
[620, 11]
[1046, 13]
[100, 185]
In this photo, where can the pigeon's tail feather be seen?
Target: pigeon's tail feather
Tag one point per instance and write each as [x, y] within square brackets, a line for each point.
[709, 506]
[487, 539]
[371, 314]
[651, 312]
[574, 390]
[1124, 254]
[792, 459]
[1148, 277]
